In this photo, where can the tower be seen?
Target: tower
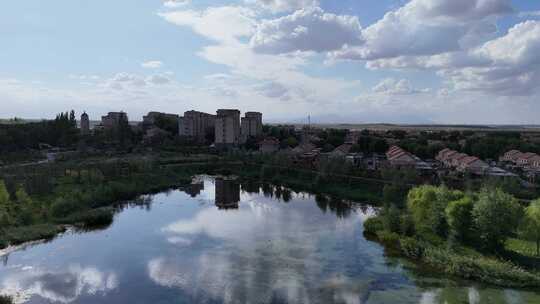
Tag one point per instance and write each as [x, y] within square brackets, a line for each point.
[85, 124]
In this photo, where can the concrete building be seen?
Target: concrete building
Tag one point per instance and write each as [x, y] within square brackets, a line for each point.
[196, 125]
[227, 128]
[150, 119]
[85, 124]
[113, 120]
[251, 126]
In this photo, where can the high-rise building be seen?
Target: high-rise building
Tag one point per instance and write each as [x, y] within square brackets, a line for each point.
[151, 118]
[196, 125]
[227, 128]
[114, 120]
[251, 126]
[85, 124]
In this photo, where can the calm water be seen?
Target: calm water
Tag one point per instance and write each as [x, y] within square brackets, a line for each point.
[226, 243]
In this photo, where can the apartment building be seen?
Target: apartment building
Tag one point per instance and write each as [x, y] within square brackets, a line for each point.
[227, 128]
[196, 125]
[251, 126]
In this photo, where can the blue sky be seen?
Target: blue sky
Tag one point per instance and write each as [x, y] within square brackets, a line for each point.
[418, 61]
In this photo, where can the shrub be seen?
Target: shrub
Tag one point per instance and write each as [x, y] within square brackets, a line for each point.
[487, 270]
[373, 225]
[391, 219]
[411, 248]
[91, 218]
[63, 206]
[406, 225]
[390, 239]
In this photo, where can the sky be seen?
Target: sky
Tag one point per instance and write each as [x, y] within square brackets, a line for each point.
[339, 61]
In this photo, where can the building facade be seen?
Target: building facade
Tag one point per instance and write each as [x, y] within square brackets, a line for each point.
[114, 120]
[251, 126]
[196, 125]
[227, 128]
[85, 124]
[150, 119]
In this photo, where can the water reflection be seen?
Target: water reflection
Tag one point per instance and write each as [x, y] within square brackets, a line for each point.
[61, 287]
[275, 246]
[227, 193]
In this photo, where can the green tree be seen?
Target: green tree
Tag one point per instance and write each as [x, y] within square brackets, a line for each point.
[495, 217]
[4, 205]
[532, 223]
[459, 218]
[25, 207]
[427, 205]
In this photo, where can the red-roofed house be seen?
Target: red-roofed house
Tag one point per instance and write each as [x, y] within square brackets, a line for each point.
[342, 151]
[472, 164]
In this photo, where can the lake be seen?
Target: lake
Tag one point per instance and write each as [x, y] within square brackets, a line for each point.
[223, 242]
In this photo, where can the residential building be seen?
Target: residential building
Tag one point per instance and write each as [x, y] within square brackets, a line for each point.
[473, 164]
[524, 159]
[341, 151]
[511, 156]
[462, 162]
[534, 162]
[400, 158]
[85, 124]
[196, 125]
[269, 145]
[113, 120]
[227, 128]
[251, 125]
[151, 118]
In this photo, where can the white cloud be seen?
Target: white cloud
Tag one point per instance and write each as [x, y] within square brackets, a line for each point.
[158, 79]
[176, 3]
[392, 86]
[513, 68]
[428, 27]
[273, 90]
[284, 5]
[308, 29]
[152, 64]
[225, 23]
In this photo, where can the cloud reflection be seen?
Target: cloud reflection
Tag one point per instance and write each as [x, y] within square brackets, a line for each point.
[264, 252]
[61, 287]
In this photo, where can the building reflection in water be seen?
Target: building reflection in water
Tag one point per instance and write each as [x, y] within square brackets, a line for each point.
[195, 189]
[227, 193]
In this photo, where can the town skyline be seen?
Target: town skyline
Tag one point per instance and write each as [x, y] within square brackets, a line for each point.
[338, 62]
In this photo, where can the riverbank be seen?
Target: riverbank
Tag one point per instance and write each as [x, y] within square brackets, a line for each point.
[85, 203]
[459, 261]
